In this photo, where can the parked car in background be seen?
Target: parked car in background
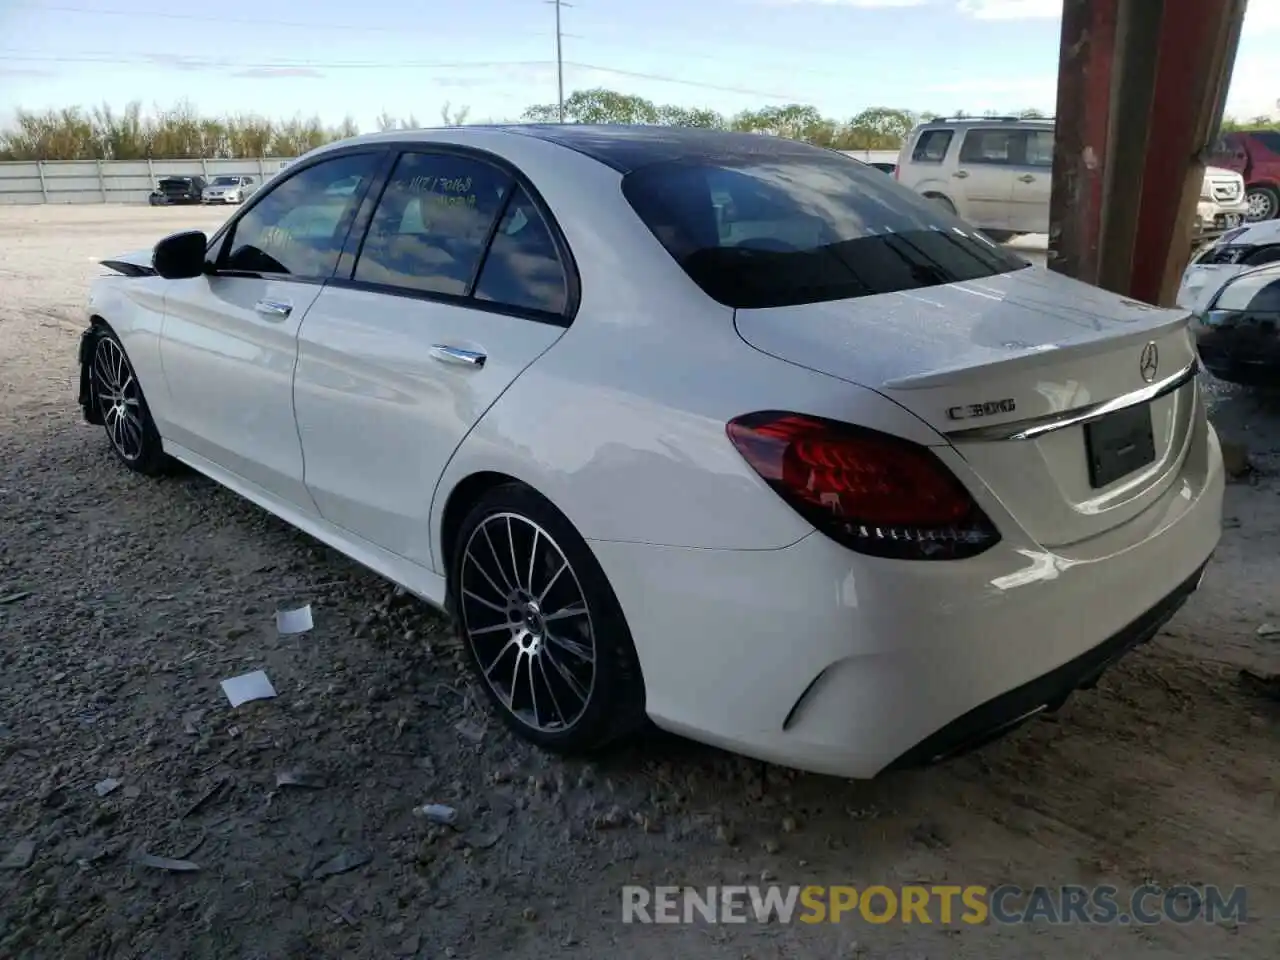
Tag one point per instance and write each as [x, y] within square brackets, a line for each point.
[1238, 331]
[826, 478]
[997, 174]
[1232, 254]
[178, 190]
[228, 189]
[1222, 204]
[1255, 155]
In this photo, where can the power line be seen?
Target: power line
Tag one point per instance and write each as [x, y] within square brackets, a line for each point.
[366, 28]
[179, 61]
[689, 83]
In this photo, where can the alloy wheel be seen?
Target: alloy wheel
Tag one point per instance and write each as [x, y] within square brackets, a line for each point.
[525, 616]
[119, 399]
[1261, 206]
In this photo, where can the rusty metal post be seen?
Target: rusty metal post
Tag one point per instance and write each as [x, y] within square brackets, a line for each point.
[1196, 53]
[1082, 117]
[1141, 90]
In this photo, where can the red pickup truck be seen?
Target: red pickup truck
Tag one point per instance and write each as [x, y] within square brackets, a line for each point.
[1255, 155]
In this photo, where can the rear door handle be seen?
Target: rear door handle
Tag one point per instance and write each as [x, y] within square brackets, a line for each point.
[467, 358]
[960, 174]
[1027, 178]
[273, 309]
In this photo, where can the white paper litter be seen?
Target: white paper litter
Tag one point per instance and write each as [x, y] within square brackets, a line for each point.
[294, 621]
[249, 686]
[104, 787]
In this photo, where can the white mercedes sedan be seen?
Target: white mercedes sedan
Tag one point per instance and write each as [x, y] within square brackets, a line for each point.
[721, 430]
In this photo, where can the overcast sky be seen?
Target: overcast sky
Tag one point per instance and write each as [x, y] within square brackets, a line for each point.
[336, 57]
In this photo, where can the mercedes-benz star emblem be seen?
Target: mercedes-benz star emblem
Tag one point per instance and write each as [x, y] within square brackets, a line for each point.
[1149, 362]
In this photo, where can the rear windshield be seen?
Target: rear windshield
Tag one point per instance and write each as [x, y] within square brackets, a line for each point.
[779, 233]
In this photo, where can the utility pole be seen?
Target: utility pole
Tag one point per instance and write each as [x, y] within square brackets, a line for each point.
[559, 56]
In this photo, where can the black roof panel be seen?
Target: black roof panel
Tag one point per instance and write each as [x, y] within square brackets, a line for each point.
[627, 147]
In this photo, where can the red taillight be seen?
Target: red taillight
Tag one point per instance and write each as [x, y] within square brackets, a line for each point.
[872, 492]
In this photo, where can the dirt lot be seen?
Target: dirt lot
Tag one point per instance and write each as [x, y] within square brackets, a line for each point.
[140, 596]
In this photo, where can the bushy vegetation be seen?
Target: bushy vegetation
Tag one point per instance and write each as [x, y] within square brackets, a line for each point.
[182, 132]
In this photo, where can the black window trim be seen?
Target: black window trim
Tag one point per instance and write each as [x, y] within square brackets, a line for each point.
[217, 243]
[344, 276]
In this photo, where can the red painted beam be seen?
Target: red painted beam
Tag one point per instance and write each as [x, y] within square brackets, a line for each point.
[1188, 57]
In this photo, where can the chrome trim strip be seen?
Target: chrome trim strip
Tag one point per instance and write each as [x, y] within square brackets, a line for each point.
[1030, 429]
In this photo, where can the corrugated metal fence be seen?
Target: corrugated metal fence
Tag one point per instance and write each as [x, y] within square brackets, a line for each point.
[113, 181]
[131, 181]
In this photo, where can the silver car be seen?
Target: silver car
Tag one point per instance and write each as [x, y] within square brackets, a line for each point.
[228, 189]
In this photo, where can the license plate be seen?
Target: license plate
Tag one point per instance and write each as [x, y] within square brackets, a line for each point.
[1119, 444]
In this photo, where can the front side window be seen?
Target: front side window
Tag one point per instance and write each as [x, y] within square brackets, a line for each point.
[299, 226]
[522, 268]
[765, 234]
[431, 224]
[932, 146]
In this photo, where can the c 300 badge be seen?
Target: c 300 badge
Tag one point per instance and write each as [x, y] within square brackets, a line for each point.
[989, 408]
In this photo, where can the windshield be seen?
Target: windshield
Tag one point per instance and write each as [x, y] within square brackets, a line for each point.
[769, 234]
[1269, 139]
[226, 181]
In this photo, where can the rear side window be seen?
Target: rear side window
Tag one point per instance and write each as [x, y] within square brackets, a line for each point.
[768, 234]
[931, 147]
[522, 268]
[1039, 148]
[431, 223]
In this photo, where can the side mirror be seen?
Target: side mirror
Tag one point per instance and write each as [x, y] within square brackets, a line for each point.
[180, 256]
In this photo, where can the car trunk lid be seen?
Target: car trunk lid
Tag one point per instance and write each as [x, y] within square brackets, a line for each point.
[1045, 385]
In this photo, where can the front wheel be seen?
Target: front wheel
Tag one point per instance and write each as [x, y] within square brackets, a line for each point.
[1264, 203]
[544, 632]
[125, 416]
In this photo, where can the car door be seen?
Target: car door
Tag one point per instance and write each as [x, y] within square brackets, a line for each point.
[1032, 181]
[461, 282]
[229, 340]
[985, 191]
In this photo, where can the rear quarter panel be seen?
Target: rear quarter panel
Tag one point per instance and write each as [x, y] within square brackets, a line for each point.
[622, 423]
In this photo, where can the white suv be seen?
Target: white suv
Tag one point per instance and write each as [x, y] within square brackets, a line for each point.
[997, 173]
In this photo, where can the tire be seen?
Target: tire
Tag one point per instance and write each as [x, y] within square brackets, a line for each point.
[126, 418]
[1264, 203]
[942, 201]
[510, 616]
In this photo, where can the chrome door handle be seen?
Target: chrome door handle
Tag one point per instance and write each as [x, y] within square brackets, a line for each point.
[1027, 178]
[273, 309]
[960, 174]
[447, 354]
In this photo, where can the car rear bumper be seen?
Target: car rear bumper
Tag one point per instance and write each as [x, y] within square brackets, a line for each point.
[817, 658]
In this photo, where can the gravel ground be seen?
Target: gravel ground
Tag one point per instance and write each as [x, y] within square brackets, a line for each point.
[135, 598]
